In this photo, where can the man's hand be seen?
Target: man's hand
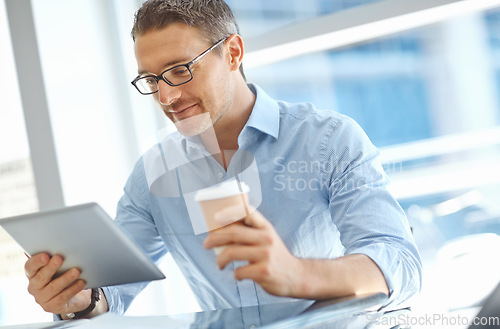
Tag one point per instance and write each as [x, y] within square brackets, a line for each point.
[271, 264]
[62, 295]
[273, 267]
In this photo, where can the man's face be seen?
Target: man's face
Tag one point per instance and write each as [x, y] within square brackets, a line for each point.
[200, 103]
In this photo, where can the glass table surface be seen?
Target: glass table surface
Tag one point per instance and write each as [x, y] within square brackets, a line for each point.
[343, 313]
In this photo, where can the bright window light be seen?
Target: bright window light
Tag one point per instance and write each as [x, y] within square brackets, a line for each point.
[353, 26]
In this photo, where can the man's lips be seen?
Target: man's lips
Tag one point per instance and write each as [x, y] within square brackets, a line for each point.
[174, 111]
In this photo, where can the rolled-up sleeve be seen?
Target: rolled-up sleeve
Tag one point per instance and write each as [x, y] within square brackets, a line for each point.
[369, 219]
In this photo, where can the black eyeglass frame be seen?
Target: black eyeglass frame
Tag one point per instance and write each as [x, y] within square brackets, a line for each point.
[187, 66]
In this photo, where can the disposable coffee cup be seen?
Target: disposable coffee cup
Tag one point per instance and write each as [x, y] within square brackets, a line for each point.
[232, 194]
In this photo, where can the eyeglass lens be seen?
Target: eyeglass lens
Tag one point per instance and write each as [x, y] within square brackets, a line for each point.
[175, 76]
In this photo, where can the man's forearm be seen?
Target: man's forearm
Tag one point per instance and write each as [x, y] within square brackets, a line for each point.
[348, 275]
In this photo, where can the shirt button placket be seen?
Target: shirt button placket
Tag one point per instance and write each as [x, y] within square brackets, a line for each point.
[248, 297]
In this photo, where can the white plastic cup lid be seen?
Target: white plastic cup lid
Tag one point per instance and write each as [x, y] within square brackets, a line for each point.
[224, 190]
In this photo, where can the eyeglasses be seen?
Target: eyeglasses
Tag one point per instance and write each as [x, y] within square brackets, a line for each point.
[174, 76]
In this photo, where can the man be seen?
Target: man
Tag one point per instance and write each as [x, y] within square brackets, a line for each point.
[325, 225]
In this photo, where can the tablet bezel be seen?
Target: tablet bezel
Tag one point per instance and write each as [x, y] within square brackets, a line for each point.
[87, 238]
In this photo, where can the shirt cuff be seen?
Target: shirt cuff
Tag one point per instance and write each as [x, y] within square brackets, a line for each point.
[401, 270]
[113, 299]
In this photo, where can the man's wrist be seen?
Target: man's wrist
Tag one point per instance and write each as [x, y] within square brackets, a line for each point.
[101, 306]
[95, 297]
[303, 285]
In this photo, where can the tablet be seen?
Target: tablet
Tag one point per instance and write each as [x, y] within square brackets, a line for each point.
[87, 238]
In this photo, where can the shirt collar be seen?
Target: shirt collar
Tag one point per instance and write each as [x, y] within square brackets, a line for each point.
[265, 115]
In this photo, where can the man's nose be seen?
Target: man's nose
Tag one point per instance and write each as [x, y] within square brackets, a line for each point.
[167, 94]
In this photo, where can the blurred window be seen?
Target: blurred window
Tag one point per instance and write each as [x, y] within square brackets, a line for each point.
[17, 186]
[258, 17]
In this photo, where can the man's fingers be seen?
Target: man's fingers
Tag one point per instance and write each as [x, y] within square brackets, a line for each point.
[45, 274]
[61, 302]
[256, 220]
[255, 272]
[251, 217]
[58, 285]
[55, 295]
[238, 252]
[35, 263]
[231, 214]
[237, 234]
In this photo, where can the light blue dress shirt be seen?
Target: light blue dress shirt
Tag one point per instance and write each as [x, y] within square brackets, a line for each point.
[315, 176]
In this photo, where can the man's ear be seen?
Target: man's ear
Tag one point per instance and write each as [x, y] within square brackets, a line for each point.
[235, 51]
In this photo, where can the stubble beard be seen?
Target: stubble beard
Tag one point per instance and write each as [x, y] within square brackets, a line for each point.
[200, 123]
[194, 125]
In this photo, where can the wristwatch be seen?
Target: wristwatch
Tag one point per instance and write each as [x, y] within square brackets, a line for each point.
[95, 297]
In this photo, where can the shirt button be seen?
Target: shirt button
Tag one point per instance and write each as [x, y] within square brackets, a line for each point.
[220, 175]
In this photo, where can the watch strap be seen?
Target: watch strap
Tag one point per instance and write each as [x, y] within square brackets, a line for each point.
[95, 297]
